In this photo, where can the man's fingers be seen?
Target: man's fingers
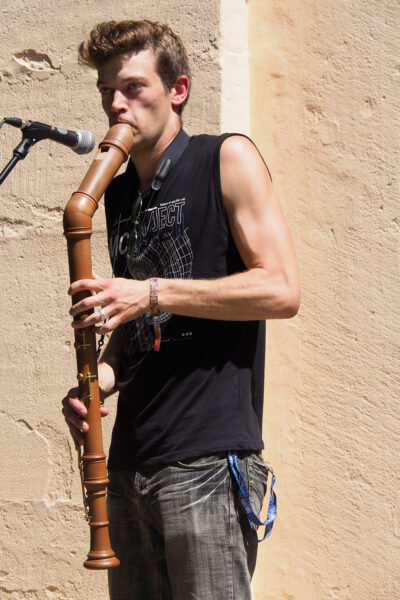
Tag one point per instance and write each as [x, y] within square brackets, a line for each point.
[98, 299]
[85, 284]
[76, 405]
[75, 413]
[95, 319]
[109, 312]
[75, 419]
[77, 422]
[109, 326]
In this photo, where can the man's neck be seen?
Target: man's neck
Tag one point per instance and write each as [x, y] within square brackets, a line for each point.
[146, 160]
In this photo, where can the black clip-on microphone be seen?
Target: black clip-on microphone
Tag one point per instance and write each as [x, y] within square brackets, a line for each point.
[80, 141]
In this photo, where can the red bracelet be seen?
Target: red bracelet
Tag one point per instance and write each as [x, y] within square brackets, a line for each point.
[155, 312]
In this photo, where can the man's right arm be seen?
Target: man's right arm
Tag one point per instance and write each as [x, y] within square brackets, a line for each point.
[74, 410]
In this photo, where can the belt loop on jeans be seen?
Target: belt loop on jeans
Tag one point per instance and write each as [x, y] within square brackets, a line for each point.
[251, 515]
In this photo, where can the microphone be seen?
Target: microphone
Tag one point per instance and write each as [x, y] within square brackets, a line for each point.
[80, 141]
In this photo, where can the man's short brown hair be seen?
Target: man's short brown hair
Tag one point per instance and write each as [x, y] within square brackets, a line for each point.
[112, 38]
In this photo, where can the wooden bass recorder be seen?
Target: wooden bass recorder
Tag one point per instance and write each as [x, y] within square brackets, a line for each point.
[113, 151]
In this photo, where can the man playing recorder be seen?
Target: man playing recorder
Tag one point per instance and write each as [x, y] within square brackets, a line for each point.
[201, 257]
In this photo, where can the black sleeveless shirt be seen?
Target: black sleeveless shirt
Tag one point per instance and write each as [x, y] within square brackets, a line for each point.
[203, 391]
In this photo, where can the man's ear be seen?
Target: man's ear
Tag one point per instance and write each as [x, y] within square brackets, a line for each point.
[180, 91]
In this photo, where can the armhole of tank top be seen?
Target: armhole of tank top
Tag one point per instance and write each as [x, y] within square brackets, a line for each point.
[217, 181]
[217, 173]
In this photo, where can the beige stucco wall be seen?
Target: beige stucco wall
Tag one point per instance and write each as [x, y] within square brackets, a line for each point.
[324, 110]
[320, 100]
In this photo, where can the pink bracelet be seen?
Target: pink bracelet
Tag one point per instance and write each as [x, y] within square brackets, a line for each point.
[155, 312]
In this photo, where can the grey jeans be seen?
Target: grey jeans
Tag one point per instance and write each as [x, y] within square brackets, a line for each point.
[180, 531]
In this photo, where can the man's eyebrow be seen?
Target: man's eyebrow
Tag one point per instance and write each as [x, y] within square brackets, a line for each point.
[124, 79]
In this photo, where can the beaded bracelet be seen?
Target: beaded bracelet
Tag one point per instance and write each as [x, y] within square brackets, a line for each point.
[155, 312]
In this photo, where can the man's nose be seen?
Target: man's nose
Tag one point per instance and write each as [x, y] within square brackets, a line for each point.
[119, 101]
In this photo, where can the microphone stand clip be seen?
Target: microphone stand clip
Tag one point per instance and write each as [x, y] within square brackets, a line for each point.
[19, 153]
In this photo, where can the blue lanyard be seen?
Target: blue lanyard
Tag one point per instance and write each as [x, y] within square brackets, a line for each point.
[251, 516]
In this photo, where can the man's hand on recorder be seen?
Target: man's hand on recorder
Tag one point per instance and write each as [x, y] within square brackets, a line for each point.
[75, 413]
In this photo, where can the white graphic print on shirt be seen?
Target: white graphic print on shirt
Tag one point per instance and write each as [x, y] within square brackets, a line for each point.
[162, 249]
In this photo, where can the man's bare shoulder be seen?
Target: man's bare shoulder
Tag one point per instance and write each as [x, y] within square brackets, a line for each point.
[239, 148]
[242, 168]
